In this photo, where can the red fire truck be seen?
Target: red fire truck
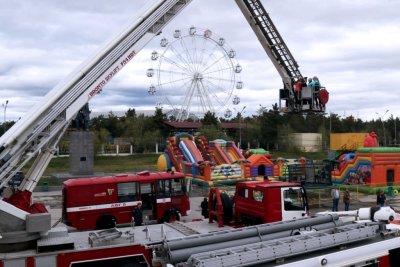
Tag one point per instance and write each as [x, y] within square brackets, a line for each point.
[103, 202]
[257, 202]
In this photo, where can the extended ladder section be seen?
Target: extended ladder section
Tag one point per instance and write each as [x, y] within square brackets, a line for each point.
[275, 48]
[279, 249]
[39, 132]
[180, 249]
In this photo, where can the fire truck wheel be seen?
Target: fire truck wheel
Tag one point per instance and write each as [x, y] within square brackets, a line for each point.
[171, 215]
[106, 222]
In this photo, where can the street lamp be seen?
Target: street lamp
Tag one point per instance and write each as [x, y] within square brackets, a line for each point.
[5, 110]
[383, 125]
[240, 126]
[395, 132]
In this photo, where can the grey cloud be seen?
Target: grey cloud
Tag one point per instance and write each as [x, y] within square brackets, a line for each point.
[42, 41]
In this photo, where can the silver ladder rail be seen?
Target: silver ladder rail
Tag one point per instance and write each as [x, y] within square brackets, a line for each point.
[46, 120]
[182, 228]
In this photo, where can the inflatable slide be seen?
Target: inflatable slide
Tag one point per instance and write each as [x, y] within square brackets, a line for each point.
[233, 152]
[224, 152]
[375, 166]
[215, 161]
[190, 151]
[217, 149]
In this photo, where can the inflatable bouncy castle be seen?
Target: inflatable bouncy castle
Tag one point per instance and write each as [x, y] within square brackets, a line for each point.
[374, 166]
[205, 161]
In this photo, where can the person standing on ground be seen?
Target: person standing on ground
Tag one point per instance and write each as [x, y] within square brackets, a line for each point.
[346, 199]
[204, 208]
[381, 198]
[335, 198]
[138, 214]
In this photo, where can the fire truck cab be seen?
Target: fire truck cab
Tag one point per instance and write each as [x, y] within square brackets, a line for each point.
[268, 201]
[258, 202]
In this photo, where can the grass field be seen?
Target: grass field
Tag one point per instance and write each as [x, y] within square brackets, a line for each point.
[131, 163]
[137, 162]
[102, 164]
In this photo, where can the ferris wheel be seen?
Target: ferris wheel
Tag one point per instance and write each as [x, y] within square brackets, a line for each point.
[195, 73]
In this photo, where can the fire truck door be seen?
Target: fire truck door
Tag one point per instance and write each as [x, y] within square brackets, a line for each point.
[293, 203]
[148, 201]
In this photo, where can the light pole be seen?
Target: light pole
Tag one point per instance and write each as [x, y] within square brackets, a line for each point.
[383, 125]
[5, 110]
[240, 126]
[395, 132]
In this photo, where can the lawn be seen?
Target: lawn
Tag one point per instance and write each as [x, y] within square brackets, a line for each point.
[103, 164]
[131, 163]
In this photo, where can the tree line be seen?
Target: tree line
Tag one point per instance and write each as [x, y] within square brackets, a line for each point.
[268, 128]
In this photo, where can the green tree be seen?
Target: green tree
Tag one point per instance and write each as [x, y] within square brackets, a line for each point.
[158, 122]
[210, 119]
[269, 123]
[130, 113]
[211, 132]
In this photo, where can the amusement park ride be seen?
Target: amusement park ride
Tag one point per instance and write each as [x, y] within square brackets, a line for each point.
[27, 239]
[202, 68]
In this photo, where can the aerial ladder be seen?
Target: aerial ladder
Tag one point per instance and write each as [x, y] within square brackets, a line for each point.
[300, 99]
[38, 133]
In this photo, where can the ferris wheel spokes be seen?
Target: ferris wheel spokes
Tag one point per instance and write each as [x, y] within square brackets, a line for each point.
[174, 72]
[210, 55]
[179, 56]
[206, 100]
[214, 63]
[183, 68]
[186, 52]
[171, 103]
[213, 71]
[188, 96]
[175, 81]
[212, 85]
[195, 73]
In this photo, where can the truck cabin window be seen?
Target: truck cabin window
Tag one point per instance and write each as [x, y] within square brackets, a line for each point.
[172, 187]
[293, 199]
[243, 192]
[127, 192]
[258, 195]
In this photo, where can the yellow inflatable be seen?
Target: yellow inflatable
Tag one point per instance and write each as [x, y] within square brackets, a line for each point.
[162, 163]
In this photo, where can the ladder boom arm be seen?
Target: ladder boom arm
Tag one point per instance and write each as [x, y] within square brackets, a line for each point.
[48, 118]
[271, 40]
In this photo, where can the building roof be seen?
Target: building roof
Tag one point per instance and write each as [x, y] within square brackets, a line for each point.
[196, 125]
[259, 159]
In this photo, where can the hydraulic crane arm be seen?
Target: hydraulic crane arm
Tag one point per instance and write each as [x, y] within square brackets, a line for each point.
[38, 132]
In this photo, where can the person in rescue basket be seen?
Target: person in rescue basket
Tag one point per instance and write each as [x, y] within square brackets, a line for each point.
[315, 85]
[335, 197]
[138, 214]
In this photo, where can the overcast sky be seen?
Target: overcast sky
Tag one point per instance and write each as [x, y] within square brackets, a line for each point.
[352, 46]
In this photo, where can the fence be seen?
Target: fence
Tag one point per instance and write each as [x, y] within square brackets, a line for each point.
[360, 196]
[106, 149]
[310, 173]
